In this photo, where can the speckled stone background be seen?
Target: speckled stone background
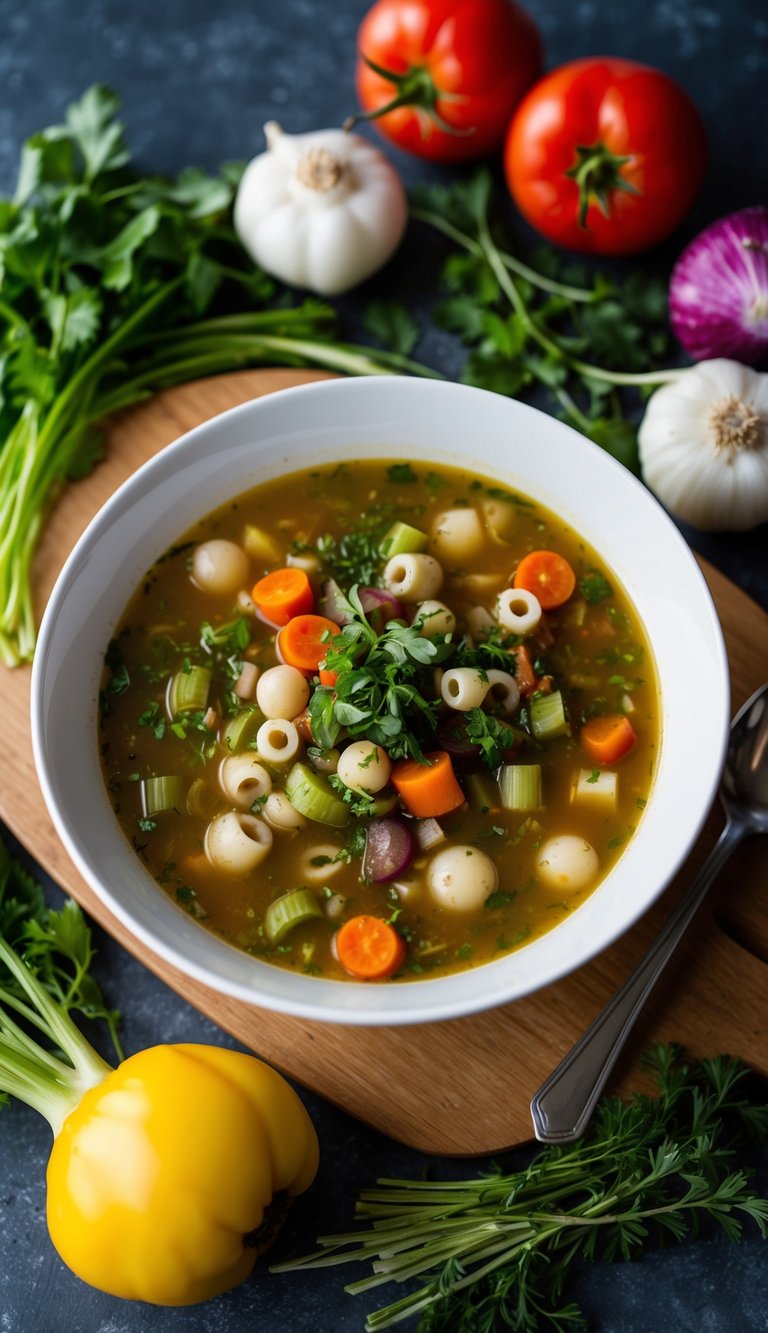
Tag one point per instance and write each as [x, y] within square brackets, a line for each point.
[198, 80]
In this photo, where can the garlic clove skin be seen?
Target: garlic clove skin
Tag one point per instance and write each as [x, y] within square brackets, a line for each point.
[322, 211]
[704, 446]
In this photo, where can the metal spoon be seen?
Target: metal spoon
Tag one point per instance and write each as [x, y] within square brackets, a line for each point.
[563, 1105]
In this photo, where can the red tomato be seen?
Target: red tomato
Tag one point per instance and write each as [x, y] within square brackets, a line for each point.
[454, 69]
[605, 156]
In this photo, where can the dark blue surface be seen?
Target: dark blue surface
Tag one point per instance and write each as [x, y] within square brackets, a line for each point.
[198, 81]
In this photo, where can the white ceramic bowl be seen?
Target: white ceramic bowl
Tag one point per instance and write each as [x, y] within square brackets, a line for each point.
[518, 447]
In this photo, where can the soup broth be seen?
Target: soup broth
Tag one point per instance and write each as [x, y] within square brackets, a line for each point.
[440, 774]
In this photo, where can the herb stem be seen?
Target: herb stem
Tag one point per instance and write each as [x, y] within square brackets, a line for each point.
[581, 295]
[585, 368]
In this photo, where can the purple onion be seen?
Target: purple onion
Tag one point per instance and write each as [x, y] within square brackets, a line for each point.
[389, 849]
[718, 292]
[380, 606]
[452, 736]
[331, 603]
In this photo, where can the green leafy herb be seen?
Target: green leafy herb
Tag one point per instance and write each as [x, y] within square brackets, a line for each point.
[492, 735]
[401, 473]
[379, 690]
[393, 325]
[114, 285]
[56, 944]
[500, 898]
[594, 587]
[233, 637]
[153, 718]
[582, 337]
[496, 1252]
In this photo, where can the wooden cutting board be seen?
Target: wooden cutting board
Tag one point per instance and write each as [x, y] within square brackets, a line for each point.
[461, 1087]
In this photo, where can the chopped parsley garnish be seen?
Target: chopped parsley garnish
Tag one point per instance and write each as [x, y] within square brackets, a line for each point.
[401, 474]
[152, 717]
[594, 587]
[499, 899]
[379, 690]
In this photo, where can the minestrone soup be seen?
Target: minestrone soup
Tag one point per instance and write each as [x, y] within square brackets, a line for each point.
[379, 722]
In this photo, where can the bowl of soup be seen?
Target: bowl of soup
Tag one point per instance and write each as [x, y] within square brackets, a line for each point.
[380, 701]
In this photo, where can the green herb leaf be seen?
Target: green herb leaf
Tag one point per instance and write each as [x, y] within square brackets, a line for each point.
[401, 473]
[392, 325]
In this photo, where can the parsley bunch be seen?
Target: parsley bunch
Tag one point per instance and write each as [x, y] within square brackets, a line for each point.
[544, 325]
[496, 1251]
[115, 285]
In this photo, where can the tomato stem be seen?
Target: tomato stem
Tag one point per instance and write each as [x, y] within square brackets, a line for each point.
[415, 88]
[597, 172]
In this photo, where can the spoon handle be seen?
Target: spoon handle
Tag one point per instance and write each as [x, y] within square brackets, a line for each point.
[563, 1105]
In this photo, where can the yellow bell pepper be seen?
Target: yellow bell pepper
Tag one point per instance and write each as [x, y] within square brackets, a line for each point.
[165, 1181]
[169, 1175]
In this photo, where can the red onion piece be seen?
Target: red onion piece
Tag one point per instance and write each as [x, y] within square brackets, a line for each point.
[380, 606]
[330, 603]
[718, 292]
[389, 849]
[245, 685]
[452, 736]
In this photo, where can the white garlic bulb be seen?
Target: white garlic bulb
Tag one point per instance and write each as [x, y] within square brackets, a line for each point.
[321, 210]
[704, 446]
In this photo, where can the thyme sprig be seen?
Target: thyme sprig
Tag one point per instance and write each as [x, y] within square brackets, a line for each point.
[495, 1251]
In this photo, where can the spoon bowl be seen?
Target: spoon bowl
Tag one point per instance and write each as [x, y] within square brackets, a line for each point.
[563, 1105]
[744, 791]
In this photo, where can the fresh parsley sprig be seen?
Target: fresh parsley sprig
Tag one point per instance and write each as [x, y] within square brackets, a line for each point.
[496, 1251]
[115, 285]
[380, 683]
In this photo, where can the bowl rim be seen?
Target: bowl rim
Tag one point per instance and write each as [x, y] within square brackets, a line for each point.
[424, 999]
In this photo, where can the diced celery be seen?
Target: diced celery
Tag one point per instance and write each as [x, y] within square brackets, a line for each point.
[547, 714]
[312, 795]
[159, 794]
[402, 539]
[188, 690]
[241, 729]
[291, 909]
[520, 786]
[198, 798]
[482, 792]
[596, 787]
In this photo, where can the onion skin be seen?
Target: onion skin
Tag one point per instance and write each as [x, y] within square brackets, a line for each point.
[718, 292]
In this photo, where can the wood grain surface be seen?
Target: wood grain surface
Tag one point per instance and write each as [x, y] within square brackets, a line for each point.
[461, 1087]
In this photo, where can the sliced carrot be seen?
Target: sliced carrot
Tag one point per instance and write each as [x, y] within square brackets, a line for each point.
[283, 594]
[607, 739]
[328, 677]
[548, 576]
[369, 948]
[524, 673]
[304, 641]
[428, 790]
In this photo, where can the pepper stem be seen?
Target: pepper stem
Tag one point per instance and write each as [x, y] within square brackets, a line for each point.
[53, 1086]
[597, 172]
